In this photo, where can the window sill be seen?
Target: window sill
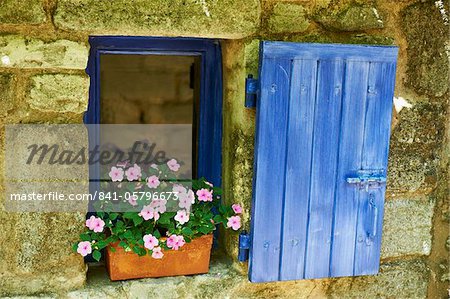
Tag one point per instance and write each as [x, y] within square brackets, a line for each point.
[222, 276]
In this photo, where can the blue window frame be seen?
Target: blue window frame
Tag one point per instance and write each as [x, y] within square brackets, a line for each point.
[209, 147]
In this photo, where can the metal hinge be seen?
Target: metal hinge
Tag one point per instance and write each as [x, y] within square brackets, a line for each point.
[244, 246]
[251, 91]
[365, 179]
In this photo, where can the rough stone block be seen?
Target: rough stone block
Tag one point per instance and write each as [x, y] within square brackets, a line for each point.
[428, 62]
[22, 12]
[27, 52]
[407, 279]
[407, 227]
[227, 18]
[415, 142]
[288, 17]
[410, 172]
[59, 93]
[351, 18]
[35, 253]
[6, 93]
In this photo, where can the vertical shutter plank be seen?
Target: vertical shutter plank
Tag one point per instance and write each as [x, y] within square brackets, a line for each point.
[270, 170]
[324, 164]
[301, 118]
[374, 156]
[351, 142]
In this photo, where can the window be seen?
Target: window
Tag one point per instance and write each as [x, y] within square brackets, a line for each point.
[119, 61]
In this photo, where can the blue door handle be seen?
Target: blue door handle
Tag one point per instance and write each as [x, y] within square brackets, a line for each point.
[372, 204]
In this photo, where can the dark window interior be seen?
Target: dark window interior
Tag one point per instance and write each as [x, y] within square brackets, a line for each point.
[150, 89]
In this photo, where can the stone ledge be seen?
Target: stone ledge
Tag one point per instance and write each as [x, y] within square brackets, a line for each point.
[407, 279]
[219, 19]
[222, 281]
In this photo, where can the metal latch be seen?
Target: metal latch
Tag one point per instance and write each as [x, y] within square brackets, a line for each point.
[368, 179]
[251, 91]
[244, 246]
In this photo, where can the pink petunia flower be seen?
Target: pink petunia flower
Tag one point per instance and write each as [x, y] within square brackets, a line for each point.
[153, 182]
[175, 242]
[116, 174]
[237, 208]
[98, 225]
[204, 195]
[90, 222]
[182, 217]
[159, 205]
[133, 200]
[173, 165]
[157, 253]
[148, 212]
[185, 200]
[133, 173]
[95, 224]
[190, 196]
[184, 203]
[84, 248]
[234, 222]
[150, 241]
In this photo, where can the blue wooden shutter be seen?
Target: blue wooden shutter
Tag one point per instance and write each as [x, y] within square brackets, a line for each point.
[322, 139]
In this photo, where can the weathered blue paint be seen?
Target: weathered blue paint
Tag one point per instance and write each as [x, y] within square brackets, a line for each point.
[244, 246]
[323, 117]
[210, 122]
[251, 90]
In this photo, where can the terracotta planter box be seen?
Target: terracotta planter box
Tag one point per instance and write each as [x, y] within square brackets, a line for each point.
[192, 258]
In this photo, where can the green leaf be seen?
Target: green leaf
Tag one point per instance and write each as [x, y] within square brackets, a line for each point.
[128, 234]
[137, 220]
[165, 218]
[217, 190]
[157, 234]
[101, 244]
[113, 249]
[207, 216]
[204, 230]
[129, 215]
[123, 244]
[85, 237]
[218, 219]
[120, 224]
[142, 251]
[187, 231]
[113, 216]
[136, 249]
[96, 255]
[74, 247]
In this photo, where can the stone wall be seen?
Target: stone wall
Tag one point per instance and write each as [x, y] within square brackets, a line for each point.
[43, 51]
